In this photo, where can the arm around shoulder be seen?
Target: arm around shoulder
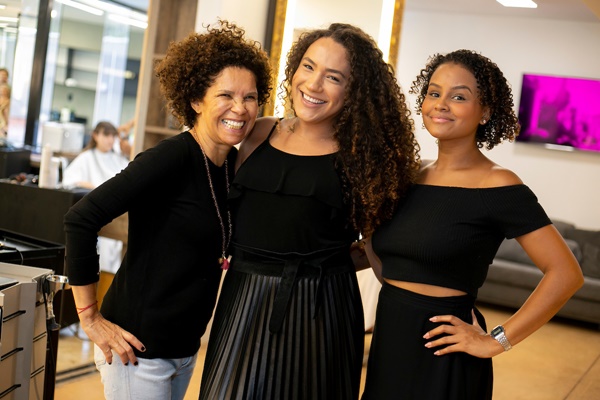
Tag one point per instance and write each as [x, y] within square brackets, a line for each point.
[257, 135]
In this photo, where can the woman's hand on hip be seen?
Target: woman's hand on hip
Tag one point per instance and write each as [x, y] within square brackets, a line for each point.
[111, 337]
[461, 336]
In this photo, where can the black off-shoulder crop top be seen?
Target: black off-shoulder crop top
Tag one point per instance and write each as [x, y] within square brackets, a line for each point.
[448, 236]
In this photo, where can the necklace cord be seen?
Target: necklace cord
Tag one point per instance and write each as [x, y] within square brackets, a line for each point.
[225, 242]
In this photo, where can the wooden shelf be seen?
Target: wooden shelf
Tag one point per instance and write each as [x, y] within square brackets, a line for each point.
[161, 130]
[168, 21]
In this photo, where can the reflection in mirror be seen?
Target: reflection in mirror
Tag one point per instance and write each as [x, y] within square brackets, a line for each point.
[379, 18]
[9, 20]
[8, 38]
[21, 76]
[90, 69]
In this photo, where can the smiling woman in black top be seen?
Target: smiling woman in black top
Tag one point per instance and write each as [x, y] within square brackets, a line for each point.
[289, 322]
[429, 341]
[162, 297]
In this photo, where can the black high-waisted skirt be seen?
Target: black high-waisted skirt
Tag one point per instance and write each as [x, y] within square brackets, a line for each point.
[286, 328]
[401, 367]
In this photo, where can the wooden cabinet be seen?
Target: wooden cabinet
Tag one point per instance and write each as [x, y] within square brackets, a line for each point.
[168, 20]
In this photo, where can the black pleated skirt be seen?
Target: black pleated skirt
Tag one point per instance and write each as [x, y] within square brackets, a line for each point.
[313, 350]
[401, 367]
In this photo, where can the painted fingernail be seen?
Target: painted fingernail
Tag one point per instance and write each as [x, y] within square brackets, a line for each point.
[127, 363]
[428, 344]
[135, 363]
[426, 336]
[109, 363]
[143, 348]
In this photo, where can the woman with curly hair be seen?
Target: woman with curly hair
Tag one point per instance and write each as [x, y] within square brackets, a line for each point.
[429, 341]
[289, 322]
[162, 297]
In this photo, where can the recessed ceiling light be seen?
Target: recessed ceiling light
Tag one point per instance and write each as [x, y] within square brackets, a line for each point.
[518, 3]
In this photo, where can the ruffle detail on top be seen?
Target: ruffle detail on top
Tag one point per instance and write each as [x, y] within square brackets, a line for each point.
[273, 171]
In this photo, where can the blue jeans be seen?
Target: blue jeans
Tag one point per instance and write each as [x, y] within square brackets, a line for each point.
[152, 378]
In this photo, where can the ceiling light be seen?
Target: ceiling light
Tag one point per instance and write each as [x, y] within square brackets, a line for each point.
[128, 21]
[2, 6]
[518, 3]
[81, 7]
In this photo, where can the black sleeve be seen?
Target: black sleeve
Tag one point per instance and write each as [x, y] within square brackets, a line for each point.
[112, 199]
[516, 210]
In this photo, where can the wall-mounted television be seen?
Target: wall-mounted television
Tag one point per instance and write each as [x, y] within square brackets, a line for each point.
[561, 112]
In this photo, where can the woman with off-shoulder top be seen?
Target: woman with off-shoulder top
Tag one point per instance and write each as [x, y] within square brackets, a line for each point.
[430, 341]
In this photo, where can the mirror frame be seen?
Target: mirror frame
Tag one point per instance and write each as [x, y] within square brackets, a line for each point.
[275, 55]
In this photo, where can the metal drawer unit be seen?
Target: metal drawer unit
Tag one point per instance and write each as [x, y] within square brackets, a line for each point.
[23, 334]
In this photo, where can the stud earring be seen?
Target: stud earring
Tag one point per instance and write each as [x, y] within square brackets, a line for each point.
[483, 121]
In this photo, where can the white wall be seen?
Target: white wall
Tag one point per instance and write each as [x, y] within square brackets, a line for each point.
[567, 184]
[250, 15]
[311, 14]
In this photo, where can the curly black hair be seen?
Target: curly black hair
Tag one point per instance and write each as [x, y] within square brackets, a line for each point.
[378, 153]
[494, 93]
[191, 66]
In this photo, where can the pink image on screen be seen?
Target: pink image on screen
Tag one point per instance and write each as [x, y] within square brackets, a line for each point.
[561, 111]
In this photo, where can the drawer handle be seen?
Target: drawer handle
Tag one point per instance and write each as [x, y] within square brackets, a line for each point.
[9, 390]
[13, 315]
[11, 353]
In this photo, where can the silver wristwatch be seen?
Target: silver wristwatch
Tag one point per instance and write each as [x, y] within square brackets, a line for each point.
[498, 334]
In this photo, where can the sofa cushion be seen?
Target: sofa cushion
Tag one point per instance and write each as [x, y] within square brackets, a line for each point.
[511, 250]
[563, 227]
[589, 242]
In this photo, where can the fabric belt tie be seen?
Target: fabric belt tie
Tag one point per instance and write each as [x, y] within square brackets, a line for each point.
[331, 261]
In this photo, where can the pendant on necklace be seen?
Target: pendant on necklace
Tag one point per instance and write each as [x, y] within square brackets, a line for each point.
[224, 261]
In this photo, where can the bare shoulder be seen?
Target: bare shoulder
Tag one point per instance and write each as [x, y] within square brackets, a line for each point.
[425, 168]
[500, 176]
[257, 135]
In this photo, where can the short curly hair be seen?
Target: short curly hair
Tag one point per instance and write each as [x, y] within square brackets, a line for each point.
[378, 153]
[494, 93]
[191, 66]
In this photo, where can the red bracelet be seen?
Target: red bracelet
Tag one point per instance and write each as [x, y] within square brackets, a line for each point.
[80, 310]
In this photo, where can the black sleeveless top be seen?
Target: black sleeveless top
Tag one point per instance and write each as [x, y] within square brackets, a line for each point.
[288, 203]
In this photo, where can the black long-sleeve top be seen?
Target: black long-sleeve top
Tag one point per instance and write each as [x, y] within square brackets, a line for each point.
[165, 290]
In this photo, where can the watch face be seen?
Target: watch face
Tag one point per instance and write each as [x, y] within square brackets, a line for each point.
[497, 330]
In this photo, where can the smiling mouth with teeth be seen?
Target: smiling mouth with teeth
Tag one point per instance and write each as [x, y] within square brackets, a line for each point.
[311, 99]
[233, 124]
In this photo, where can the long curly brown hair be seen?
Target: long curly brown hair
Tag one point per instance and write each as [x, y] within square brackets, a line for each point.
[191, 66]
[378, 154]
[494, 93]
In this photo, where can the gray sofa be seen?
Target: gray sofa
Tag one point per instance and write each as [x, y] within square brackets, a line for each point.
[512, 275]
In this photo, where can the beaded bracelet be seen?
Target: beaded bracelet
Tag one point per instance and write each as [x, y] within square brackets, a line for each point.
[80, 310]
